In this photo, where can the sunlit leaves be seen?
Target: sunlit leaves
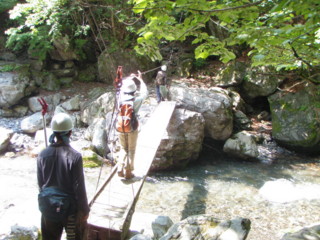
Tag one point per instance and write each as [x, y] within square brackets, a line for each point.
[41, 21]
[283, 33]
[214, 48]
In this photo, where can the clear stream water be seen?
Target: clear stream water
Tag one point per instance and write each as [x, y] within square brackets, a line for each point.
[225, 188]
[228, 189]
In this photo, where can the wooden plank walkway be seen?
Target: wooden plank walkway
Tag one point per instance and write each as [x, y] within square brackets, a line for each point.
[113, 205]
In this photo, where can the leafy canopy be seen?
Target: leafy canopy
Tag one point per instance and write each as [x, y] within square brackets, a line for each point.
[40, 22]
[281, 33]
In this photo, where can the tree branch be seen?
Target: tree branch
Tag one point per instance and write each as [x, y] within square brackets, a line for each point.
[300, 58]
[212, 10]
[228, 9]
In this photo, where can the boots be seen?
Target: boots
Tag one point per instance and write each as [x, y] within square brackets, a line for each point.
[120, 172]
[128, 174]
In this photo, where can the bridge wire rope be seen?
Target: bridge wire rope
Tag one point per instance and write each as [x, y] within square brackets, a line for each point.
[113, 118]
[111, 130]
[94, 26]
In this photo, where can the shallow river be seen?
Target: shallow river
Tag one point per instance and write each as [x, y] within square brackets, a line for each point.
[224, 188]
[228, 189]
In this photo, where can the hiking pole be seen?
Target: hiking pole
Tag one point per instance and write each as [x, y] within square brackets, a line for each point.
[44, 111]
[150, 70]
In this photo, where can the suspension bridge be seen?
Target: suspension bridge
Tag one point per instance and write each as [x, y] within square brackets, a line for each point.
[114, 203]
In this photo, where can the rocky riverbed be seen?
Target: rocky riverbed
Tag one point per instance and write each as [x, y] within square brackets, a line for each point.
[279, 194]
[277, 198]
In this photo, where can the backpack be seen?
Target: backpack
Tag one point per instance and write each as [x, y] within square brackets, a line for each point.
[160, 78]
[126, 120]
[55, 204]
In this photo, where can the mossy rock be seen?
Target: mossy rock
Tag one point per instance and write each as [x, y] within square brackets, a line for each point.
[91, 159]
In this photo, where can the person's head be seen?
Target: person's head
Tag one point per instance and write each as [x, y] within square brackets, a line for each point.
[164, 68]
[128, 88]
[128, 85]
[61, 126]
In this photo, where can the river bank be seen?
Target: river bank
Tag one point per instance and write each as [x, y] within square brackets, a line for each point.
[225, 188]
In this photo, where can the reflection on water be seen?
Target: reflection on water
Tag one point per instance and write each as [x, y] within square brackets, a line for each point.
[229, 189]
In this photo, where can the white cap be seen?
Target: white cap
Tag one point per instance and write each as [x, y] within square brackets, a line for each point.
[128, 86]
[164, 68]
[126, 97]
[61, 122]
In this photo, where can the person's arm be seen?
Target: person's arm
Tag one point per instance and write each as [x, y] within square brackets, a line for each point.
[80, 189]
[39, 173]
[143, 92]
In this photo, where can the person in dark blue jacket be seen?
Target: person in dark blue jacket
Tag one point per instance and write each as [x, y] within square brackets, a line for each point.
[60, 166]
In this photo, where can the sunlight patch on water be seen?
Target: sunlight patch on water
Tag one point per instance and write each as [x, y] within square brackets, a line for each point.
[282, 191]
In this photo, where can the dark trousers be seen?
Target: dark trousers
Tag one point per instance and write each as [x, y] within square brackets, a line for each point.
[53, 230]
[159, 98]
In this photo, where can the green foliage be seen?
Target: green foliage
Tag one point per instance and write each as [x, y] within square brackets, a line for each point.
[79, 44]
[7, 4]
[40, 22]
[282, 33]
[199, 63]
[9, 67]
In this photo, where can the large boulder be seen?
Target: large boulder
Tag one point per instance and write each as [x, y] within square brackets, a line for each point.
[96, 133]
[260, 82]
[182, 142]
[231, 75]
[14, 86]
[97, 108]
[295, 118]
[214, 104]
[208, 227]
[33, 123]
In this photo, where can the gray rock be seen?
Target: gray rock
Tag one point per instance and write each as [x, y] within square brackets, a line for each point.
[242, 145]
[307, 233]
[260, 82]
[33, 123]
[52, 100]
[97, 108]
[140, 237]
[182, 142]
[13, 87]
[96, 133]
[295, 118]
[50, 82]
[150, 225]
[208, 227]
[214, 104]
[24, 233]
[15, 112]
[63, 50]
[231, 75]
[5, 136]
[72, 104]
